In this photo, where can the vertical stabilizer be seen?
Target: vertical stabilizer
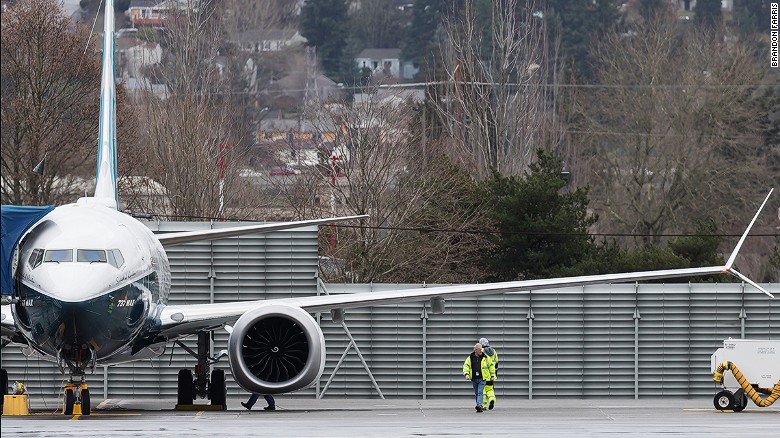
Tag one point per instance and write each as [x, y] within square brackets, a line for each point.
[105, 185]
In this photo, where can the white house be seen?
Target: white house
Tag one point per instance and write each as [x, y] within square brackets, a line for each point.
[272, 40]
[385, 62]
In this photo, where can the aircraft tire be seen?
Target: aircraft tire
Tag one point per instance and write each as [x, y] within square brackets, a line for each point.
[85, 406]
[4, 383]
[218, 388]
[185, 388]
[70, 401]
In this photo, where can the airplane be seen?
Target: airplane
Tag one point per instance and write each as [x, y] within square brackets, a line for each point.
[92, 283]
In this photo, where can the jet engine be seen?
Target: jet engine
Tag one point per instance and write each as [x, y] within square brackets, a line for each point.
[276, 349]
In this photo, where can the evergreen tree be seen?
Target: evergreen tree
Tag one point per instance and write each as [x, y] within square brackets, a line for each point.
[708, 13]
[580, 25]
[324, 24]
[420, 43]
[749, 14]
[651, 8]
[543, 232]
[700, 249]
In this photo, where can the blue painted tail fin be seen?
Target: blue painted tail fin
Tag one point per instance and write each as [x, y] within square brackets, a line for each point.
[105, 184]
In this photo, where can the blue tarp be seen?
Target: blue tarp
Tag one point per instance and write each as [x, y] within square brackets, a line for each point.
[16, 220]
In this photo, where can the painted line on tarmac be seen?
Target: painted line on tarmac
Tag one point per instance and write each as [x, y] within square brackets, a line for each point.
[751, 411]
[128, 414]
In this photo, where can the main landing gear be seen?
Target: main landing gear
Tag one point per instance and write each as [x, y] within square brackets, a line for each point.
[76, 398]
[199, 383]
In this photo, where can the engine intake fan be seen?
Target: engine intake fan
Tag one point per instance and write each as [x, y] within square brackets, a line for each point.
[276, 349]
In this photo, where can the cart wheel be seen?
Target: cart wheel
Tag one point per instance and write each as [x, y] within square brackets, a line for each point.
[743, 401]
[724, 400]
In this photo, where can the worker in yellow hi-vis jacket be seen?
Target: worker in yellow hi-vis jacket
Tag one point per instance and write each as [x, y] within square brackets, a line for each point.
[489, 398]
[479, 369]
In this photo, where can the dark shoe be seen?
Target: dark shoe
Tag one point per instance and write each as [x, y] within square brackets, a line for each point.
[247, 406]
[269, 408]
[492, 402]
[479, 409]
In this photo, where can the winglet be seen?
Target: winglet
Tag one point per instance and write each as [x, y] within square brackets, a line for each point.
[750, 282]
[730, 262]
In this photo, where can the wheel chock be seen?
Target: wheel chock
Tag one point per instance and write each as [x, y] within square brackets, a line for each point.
[16, 405]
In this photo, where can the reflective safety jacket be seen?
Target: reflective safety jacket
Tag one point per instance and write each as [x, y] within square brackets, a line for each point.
[487, 368]
[492, 353]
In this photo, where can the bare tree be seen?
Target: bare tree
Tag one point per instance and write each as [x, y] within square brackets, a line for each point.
[420, 214]
[50, 104]
[376, 24]
[192, 135]
[671, 133]
[243, 15]
[496, 104]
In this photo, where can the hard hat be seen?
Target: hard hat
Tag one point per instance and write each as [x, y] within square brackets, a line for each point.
[484, 342]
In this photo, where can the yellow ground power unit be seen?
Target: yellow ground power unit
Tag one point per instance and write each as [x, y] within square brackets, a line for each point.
[746, 369]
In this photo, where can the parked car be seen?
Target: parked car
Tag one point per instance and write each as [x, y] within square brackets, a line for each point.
[281, 170]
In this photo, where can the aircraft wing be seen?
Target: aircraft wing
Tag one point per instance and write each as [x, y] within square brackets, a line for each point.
[8, 329]
[168, 239]
[179, 320]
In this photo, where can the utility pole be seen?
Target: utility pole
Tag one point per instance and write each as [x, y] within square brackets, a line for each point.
[333, 173]
[222, 148]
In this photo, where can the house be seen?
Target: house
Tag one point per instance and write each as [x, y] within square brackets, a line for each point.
[385, 62]
[153, 13]
[320, 88]
[296, 142]
[136, 54]
[138, 86]
[272, 40]
[690, 5]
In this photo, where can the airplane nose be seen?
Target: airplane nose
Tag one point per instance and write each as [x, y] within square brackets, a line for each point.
[75, 282]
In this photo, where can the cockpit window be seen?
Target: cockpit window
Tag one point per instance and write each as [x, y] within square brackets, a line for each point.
[91, 255]
[115, 258]
[58, 255]
[36, 258]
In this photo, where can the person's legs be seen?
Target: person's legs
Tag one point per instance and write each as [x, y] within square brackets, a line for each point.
[480, 389]
[271, 402]
[251, 402]
[489, 396]
[477, 390]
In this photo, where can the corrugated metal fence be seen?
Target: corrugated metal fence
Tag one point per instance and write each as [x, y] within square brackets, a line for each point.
[626, 341]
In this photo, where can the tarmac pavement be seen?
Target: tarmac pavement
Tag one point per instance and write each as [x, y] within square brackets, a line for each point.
[332, 417]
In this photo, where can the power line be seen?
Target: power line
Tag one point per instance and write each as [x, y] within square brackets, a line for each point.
[484, 232]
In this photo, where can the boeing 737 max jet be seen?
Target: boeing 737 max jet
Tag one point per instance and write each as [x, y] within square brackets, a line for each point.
[91, 288]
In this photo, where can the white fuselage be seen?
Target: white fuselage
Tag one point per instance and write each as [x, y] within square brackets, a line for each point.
[89, 280]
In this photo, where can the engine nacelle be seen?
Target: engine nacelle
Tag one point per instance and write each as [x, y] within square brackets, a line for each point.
[276, 349]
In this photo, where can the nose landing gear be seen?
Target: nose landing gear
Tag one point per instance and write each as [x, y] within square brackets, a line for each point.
[76, 399]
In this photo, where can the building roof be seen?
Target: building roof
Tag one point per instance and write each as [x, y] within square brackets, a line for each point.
[266, 35]
[380, 54]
